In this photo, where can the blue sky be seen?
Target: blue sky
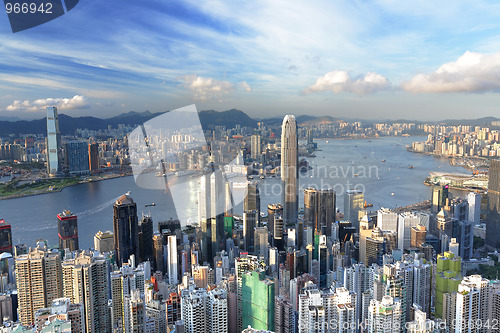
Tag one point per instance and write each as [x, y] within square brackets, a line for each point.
[349, 59]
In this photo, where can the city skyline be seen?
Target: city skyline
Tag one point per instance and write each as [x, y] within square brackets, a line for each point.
[376, 60]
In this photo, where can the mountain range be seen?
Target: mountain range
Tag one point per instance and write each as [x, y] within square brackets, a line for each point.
[209, 119]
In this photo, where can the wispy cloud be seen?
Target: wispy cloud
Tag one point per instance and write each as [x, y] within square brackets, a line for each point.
[245, 86]
[76, 102]
[341, 81]
[472, 72]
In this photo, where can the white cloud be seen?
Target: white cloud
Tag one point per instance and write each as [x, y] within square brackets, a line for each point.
[76, 102]
[205, 88]
[472, 72]
[341, 81]
[244, 85]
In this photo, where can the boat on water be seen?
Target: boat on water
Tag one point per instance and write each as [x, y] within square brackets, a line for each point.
[384, 161]
[411, 166]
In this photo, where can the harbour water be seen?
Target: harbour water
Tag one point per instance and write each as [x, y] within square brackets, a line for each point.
[379, 167]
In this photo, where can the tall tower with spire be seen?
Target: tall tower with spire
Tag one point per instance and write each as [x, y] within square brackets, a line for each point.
[290, 175]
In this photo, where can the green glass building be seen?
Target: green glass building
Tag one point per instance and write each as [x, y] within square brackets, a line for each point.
[258, 301]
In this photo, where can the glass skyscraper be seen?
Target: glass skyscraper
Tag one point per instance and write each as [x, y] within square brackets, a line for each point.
[493, 220]
[290, 175]
[53, 143]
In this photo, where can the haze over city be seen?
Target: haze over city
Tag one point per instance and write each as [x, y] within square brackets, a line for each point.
[368, 60]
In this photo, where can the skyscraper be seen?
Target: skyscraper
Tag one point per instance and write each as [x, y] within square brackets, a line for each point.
[158, 252]
[93, 157]
[126, 229]
[258, 300]
[256, 147]
[353, 204]
[53, 143]
[38, 281]
[290, 174]
[493, 219]
[76, 157]
[405, 222]
[252, 198]
[319, 211]
[473, 304]
[203, 311]
[5, 237]
[85, 281]
[146, 238]
[67, 226]
[385, 316]
[172, 260]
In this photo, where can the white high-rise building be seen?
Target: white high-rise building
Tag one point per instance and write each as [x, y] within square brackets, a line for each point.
[359, 279]
[387, 220]
[256, 146]
[384, 316]
[290, 171]
[203, 311]
[172, 260]
[421, 324]
[474, 209]
[53, 142]
[422, 273]
[473, 302]
[405, 222]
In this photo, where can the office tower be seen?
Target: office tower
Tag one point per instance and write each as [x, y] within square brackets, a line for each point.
[53, 143]
[448, 277]
[256, 147]
[257, 300]
[353, 204]
[376, 247]
[261, 247]
[385, 316]
[418, 235]
[273, 211]
[5, 237]
[156, 311]
[244, 264]
[250, 222]
[472, 305]
[203, 311]
[85, 281]
[284, 321]
[125, 228]
[146, 238]
[252, 198]
[439, 196]
[67, 226]
[93, 157]
[158, 252]
[172, 260]
[104, 241]
[76, 157]
[229, 200]
[319, 211]
[200, 276]
[474, 207]
[290, 173]
[217, 199]
[405, 222]
[493, 217]
[387, 220]
[38, 281]
[422, 279]
[62, 310]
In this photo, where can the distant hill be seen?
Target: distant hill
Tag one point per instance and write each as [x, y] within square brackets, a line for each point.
[485, 121]
[68, 125]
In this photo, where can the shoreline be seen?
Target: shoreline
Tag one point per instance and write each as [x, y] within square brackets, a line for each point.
[48, 191]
